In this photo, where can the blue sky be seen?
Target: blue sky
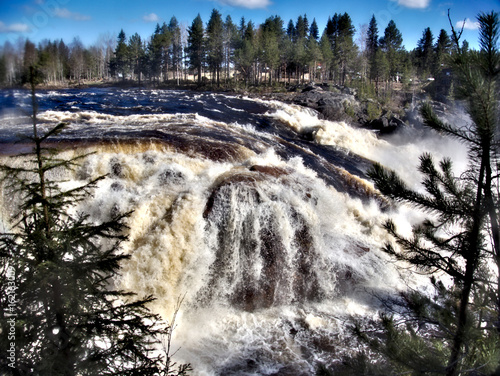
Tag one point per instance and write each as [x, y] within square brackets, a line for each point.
[91, 19]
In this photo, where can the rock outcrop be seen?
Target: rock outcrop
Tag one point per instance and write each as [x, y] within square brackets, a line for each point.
[256, 266]
[342, 104]
[339, 104]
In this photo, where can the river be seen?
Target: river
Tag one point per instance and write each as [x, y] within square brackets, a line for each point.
[256, 213]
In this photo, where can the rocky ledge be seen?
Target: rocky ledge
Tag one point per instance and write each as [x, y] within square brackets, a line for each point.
[342, 104]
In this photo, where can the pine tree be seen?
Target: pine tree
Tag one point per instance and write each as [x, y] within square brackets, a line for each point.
[230, 41]
[372, 38]
[313, 56]
[196, 45]
[30, 60]
[461, 324]
[66, 318]
[442, 51]
[314, 31]
[245, 55]
[120, 63]
[175, 47]
[290, 30]
[157, 52]
[372, 46]
[327, 56]
[137, 56]
[340, 31]
[215, 45]
[380, 69]
[271, 34]
[391, 43]
[425, 52]
[300, 28]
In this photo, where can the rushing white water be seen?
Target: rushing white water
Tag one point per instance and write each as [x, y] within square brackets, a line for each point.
[401, 156]
[241, 304]
[272, 261]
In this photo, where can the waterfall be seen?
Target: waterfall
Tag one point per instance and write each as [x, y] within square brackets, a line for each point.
[271, 261]
[273, 241]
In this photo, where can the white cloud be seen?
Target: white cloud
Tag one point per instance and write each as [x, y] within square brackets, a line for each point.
[14, 28]
[152, 17]
[250, 4]
[415, 4]
[66, 13]
[467, 24]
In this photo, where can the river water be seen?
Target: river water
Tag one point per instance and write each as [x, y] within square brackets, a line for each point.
[256, 213]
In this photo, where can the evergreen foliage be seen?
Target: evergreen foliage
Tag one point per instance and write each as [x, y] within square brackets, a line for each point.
[372, 42]
[245, 54]
[119, 64]
[68, 317]
[442, 51]
[457, 331]
[224, 52]
[313, 30]
[372, 46]
[270, 38]
[425, 52]
[137, 55]
[215, 45]
[392, 43]
[175, 49]
[196, 47]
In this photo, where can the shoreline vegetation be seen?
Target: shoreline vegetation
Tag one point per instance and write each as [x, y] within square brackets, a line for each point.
[453, 330]
[333, 102]
[271, 58]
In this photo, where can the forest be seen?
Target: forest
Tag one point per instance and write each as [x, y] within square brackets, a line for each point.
[223, 53]
[72, 322]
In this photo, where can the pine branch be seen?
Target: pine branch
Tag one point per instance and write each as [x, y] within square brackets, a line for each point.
[392, 186]
[64, 275]
[433, 122]
[53, 132]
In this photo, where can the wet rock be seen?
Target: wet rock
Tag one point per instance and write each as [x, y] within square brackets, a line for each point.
[386, 123]
[305, 282]
[148, 159]
[311, 87]
[269, 170]
[332, 105]
[221, 187]
[309, 134]
[253, 267]
[169, 176]
[116, 186]
[257, 173]
[116, 169]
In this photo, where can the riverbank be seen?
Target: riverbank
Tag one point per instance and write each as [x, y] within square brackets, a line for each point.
[384, 114]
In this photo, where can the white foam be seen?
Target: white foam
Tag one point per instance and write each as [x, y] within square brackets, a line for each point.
[402, 157]
[173, 246]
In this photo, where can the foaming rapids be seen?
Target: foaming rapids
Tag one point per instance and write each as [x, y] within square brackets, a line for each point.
[399, 152]
[269, 259]
[273, 242]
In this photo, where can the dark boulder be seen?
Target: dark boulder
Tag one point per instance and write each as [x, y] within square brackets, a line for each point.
[385, 124]
[249, 233]
[338, 105]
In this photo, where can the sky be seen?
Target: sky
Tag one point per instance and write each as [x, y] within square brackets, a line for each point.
[93, 20]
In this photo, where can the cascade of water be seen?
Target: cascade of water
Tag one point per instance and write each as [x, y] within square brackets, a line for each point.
[270, 257]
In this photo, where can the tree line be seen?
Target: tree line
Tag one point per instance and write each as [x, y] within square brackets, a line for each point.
[67, 319]
[224, 53]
